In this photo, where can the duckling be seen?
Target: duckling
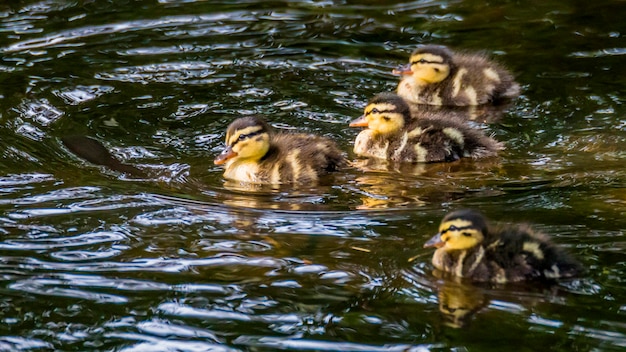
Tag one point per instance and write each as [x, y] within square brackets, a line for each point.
[392, 134]
[255, 154]
[468, 247]
[438, 76]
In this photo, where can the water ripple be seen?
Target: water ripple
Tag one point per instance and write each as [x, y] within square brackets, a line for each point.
[18, 343]
[166, 345]
[171, 72]
[50, 287]
[91, 259]
[320, 345]
[181, 310]
[64, 38]
[62, 242]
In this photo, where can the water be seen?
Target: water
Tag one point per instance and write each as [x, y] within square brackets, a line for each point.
[177, 260]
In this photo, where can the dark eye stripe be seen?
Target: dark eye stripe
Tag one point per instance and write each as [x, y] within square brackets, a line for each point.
[454, 228]
[246, 136]
[422, 61]
[376, 111]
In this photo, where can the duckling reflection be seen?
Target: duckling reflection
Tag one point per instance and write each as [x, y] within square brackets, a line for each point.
[436, 75]
[277, 197]
[379, 192]
[382, 184]
[459, 303]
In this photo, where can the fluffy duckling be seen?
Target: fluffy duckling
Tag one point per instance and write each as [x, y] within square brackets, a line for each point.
[437, 76]
[468, 247]
[255, 154]
[393, 134]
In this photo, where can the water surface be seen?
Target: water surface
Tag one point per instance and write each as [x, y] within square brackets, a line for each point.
[178, 260]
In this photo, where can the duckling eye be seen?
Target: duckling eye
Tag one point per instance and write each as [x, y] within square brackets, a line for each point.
[452, 228]
[242, 137]
[374, 111]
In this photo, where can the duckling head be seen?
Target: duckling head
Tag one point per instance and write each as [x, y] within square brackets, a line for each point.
[246, 138]
[385, 113]
[460, 230]
[428, 64]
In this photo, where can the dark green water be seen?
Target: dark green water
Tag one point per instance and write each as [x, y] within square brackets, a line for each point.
[95, 260]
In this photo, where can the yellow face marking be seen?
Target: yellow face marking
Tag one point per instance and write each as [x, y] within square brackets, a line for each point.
[455, 135]
[444, 227]
[253, 148]
[458, 81]
[389, 125]
[230, 140]
[428, 68]
[426, 59]
[491, 74]
[380, 107]
[533, 248]
[382, 118]
[459, 234]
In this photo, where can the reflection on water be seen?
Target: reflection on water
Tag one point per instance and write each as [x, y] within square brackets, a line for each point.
[161, 253]
[458, 303]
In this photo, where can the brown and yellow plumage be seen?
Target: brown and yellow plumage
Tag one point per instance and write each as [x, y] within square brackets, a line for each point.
[437, 76]
[394, 134]
[468, 247]
[255, 154]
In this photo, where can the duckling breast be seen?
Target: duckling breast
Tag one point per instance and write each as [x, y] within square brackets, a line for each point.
[369, 145]
[242, 171]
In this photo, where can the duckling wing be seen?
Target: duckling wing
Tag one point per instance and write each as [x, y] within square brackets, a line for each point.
[303, 157]
[450, 140]
[524, 253]
[482, 80]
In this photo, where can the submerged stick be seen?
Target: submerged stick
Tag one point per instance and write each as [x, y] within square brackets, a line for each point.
[94, 152]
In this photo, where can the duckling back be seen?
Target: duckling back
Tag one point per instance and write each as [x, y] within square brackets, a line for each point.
[299, 158]
[524, 253]
[427, 140]
[491, 81]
